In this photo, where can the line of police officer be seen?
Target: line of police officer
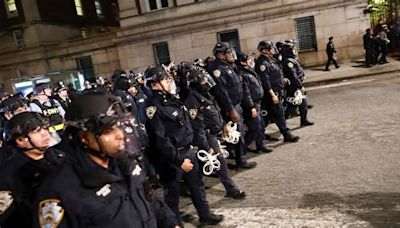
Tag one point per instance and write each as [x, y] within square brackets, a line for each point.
[97, 176]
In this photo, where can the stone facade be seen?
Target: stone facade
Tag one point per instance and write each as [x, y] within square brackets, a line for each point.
[191, 28]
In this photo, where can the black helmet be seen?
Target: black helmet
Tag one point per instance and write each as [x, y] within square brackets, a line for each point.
[117, 74]
[279, 44]
[25, 122]
[242, 57]
[59, 86]
[154, 74]
[123, 83]
[40, 87]
[95, 112]
[12, 103]
[221, 47]
[197, 76]
[265, 44]
[287, 50]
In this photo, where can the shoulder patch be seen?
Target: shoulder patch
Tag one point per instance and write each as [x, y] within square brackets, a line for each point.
[50, 213]
[217, 73]
[151, 111]
[193, 113]
[290, 65]
[6, 199]
[263, 68]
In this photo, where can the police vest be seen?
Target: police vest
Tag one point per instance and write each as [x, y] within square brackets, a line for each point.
[53, 113]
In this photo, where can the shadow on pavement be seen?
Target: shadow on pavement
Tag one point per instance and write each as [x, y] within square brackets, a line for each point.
[379, 209]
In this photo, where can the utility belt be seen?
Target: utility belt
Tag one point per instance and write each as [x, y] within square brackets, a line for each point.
[183, 148]
[56, 128]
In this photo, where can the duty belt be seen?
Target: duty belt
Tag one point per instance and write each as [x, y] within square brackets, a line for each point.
[183, 149]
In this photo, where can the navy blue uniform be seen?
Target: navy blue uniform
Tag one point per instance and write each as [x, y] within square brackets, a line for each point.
[255, 125]
[207, 123]
[229, 93]
[170, 138]
[21, 177]
[295, 73]
[271, 77]
[81, 193]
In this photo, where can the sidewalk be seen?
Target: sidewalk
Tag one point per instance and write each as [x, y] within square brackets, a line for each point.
[348, 69]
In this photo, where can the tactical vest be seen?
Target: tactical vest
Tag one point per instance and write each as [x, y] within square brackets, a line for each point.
[53, 113]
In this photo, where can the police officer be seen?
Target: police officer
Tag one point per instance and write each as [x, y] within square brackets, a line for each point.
[368, 41]
[104, 172]
[124, 88]
[295, 73]
[252, 104]
[170, 138]
[8, 108]
[61, 96]
[207, 123]
[229, 93]
[23, 172]
[271, 76]
[49, 107]
[330, 51]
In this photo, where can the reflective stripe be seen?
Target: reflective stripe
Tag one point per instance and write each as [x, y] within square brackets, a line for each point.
[56, 128]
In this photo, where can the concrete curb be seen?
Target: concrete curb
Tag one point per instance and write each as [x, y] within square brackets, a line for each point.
[332, 80]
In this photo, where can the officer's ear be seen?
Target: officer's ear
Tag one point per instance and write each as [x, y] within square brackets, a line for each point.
[84, 137]
[22, 142]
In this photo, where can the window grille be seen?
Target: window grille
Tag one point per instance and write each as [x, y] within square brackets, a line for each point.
[305, 32]
[230, 36]
[161, 53]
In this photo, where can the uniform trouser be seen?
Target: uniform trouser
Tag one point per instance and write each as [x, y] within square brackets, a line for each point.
[255, 131]
[276, 114]
[384, 51]
[195, 185]
[222, 173]
[303, 107]
[330, 59]
[240, 150]
[369, 55]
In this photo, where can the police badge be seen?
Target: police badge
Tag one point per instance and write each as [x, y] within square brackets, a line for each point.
[150, 111]
[193, 113]
[6, 200]
[50, 213]
[217, 73]
[263, 68]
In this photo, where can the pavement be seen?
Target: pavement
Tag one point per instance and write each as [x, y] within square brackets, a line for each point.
[349, 69]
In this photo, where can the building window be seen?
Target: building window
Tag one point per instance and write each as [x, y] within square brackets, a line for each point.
[99, 10]
[18, 36]
[11, 8]
[115, 11]
[230, 36]
[161, 53]
[85, 66]
[78, 7]
[158, 4]
[305, 32]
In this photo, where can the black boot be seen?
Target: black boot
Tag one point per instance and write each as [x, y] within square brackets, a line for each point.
[306, 123]
[289, 137]
[212, 219]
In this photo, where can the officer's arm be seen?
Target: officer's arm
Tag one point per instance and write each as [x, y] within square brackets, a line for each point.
[164, 215]
[247, 101]
[60, 108]
[220, 92]
[264, 77]
[35, 108]
[292, 75]
[8, 205]
[198, 124]
[156, 128]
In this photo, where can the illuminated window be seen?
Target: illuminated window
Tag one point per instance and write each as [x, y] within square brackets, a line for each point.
[99, 10]
[78, 7]
[11, 8]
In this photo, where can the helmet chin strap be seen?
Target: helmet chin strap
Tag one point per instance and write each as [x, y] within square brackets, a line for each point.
[96, 153]
[42, 149]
